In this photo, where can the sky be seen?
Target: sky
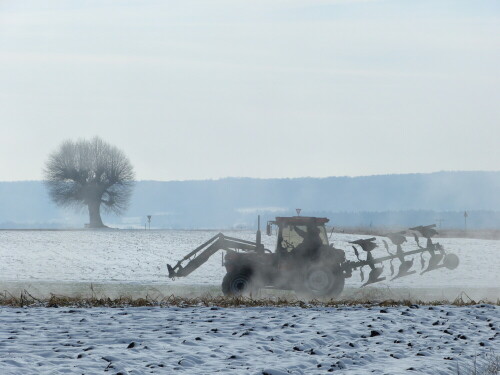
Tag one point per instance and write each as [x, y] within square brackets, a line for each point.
[198, 89]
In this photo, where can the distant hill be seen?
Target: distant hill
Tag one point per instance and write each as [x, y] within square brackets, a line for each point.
[235, 202]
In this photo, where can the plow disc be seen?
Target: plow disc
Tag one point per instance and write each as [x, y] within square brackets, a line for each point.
[438, 257]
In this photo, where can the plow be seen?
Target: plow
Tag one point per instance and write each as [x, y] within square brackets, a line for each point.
[305, 261]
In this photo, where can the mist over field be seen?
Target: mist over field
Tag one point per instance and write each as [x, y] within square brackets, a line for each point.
[201, 116]
[385, 200]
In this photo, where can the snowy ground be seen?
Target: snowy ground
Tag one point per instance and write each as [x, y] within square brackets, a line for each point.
[196, 340]
[141, 257]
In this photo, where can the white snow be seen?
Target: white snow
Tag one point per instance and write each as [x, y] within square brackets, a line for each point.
[263, 340]
[141, 257]
[196, 340]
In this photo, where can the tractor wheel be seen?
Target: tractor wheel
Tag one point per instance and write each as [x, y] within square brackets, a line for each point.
[451, 261]
[320, 282]
[238, 283]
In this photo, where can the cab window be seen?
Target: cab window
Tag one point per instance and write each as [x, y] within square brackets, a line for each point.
[293, 239]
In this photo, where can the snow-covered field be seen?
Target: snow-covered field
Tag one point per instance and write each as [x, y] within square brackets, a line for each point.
[196, 340]
[202, 340]
[141, 257]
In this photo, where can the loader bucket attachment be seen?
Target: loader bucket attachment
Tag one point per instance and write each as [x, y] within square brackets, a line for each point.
[171, 272]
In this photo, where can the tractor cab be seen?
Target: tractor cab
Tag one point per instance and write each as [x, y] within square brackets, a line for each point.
[291, 231]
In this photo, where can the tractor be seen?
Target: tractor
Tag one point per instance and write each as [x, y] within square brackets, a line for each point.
[304, 261]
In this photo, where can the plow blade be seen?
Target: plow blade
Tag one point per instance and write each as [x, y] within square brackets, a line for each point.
[434, 263]
[374, 276]
[404, 269]
[450, 261]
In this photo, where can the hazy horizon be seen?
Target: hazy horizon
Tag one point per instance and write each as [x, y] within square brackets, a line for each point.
[413, 199]
[296, 178]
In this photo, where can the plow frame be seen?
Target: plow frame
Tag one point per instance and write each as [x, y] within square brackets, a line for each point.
[435, 250]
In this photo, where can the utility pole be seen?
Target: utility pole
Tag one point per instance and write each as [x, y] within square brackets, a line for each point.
[465, 220]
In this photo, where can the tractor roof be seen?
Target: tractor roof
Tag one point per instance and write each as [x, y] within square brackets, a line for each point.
[301, 220]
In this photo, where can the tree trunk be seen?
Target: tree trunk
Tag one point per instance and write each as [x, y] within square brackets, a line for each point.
[95, 215]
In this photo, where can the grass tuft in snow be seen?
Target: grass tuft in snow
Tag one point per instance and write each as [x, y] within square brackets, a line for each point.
[25, 299]
[483, 364]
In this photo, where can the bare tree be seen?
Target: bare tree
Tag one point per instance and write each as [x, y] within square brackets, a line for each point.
[90, 173]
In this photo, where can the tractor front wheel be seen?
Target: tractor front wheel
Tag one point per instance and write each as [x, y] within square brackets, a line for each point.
[238, 283]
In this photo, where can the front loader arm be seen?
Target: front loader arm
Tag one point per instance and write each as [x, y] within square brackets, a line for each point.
[202, 253]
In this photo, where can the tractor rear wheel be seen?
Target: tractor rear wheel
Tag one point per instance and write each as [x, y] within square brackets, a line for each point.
[238, 283]
[320, 282]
